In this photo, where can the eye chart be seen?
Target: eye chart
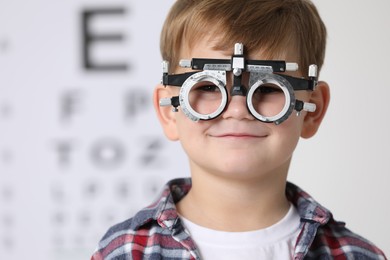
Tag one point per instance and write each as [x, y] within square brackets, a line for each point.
[80, 146]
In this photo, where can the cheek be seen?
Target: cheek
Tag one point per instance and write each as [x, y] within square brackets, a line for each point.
[182, 121]
[188, 129]
[290, 130]
[191, 136]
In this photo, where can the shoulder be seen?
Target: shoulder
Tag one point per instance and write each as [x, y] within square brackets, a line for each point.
[323, 236]
[336, 240]
[129, 238]
[149, 232]
[114, 239]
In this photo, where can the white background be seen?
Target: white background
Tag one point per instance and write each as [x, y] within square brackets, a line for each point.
[57, 207]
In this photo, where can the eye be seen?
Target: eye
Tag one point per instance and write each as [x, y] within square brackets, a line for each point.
[207, 88]
[269, 89]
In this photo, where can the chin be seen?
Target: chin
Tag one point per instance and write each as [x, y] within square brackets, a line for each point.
[242, 170]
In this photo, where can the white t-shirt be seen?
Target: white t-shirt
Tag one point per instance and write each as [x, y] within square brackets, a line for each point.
[274, 242]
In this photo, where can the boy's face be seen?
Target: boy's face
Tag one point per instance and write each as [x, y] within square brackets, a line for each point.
[235, 144]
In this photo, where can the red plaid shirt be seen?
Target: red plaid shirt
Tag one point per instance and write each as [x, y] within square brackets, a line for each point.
[156, 232]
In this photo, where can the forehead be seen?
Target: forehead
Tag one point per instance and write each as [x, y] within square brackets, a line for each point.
[211, 45]
[207, 47]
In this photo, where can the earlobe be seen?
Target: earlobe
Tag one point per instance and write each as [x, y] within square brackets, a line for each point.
[164, 113]
[321, 97]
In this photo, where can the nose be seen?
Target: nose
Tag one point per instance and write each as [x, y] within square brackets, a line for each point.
[237, 109]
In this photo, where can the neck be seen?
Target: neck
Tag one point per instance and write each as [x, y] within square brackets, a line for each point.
[235, 205]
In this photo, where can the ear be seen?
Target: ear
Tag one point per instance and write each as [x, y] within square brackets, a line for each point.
[321, 97]
[165, 114]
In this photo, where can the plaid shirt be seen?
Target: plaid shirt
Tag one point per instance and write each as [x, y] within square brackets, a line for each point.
[156, 232]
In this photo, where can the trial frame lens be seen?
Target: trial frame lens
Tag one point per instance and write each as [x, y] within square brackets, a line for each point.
[276, 103]
[193, 84]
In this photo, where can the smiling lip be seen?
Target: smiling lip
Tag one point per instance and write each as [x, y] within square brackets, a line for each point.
[239, 135]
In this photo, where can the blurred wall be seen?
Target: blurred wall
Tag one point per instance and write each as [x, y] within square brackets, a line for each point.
[81, 148]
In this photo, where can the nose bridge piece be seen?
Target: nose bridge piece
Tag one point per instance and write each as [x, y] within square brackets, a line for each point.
[238, 65]
[238, 89]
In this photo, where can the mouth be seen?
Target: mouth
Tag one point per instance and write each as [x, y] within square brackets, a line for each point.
[239, 135]
[238, 132]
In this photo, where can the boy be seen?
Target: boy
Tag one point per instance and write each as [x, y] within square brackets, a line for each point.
[238, 110]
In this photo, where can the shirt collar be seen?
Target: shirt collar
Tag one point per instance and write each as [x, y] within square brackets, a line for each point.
[163, 210]
[308, 209]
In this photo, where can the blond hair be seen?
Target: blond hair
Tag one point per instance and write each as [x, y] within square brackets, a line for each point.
[270, 25]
